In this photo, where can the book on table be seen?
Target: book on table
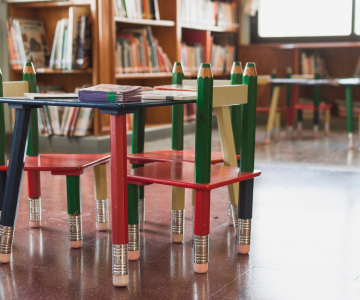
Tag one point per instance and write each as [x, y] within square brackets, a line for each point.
[168, 95]
[110, 93]
[175, 87]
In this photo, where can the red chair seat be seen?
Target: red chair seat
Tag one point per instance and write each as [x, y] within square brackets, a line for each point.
[176, 173]
[312, 107]
[172, 155]
[267, 109]
[63, 164]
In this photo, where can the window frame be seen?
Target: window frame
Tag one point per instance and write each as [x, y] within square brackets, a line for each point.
[256, 38]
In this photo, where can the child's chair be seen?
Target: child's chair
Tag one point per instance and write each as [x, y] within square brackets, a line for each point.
[204, 176]
[70, 165]
[138, 158]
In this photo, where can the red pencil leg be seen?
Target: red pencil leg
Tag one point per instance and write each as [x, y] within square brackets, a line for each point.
[201, 231]
[120, 265]
[290, 111]
[34, 193]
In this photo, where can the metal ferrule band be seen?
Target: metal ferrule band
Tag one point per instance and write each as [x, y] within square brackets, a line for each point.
[244, 232]
[201, 249]
[141, 213]
[6, 239]
[235, 215]
[75, 228]
[120, 262]
[102, 211]
[229, 209]
[34, 209]
[134, 237]
[177, 221]
[316, 129]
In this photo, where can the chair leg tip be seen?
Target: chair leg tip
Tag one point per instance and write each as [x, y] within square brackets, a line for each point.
[243, 249]
[75, 244]
[34, 224]
[5, 258]
[102, 226]
[177, 237]
[201, 268]
[120, 280]
[134, 255]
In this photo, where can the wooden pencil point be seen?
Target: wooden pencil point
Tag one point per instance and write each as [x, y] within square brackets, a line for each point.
[250, 69]
[29, 68]
[236, 68]
[273, 71]
[177, 68]
[289, 70]
[205, 71]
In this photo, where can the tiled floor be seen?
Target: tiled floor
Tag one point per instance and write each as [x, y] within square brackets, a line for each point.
[305, 236]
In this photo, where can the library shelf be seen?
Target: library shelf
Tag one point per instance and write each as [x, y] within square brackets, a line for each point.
[52, 71]
[143, 75]
[305, 45]
[234, 28]
[149, 22]
[40, 4]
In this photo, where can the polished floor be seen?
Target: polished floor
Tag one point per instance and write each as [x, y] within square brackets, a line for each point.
[305, 236]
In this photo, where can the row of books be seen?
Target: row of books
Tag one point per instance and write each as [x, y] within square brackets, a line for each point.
[222, 57]
[72, 44]
[27, 42]
[137, 51]
[312, 63]
[207, 12]
[137, 9]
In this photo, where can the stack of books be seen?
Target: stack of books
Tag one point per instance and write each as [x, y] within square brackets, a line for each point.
[207, 12]
[110, 93]
[222, 58]
[72, 45]
[137, 9]
[191, 57]
[27, 42]
[137, 51]
[312, 63]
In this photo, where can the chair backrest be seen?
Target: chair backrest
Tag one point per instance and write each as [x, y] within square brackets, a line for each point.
[17, 89]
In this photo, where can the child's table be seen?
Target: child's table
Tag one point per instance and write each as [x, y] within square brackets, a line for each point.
[120, 269]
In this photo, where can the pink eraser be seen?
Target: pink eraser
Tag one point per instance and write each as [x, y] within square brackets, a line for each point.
[134, 255]
[34, 224]
[5, 258]
[102, 226]
[266, 141]
[76, 244]
[177, 238]
[120, 280]
[201, 268]
[243, 249]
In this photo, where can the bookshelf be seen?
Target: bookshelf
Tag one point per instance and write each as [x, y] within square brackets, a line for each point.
[170, 32]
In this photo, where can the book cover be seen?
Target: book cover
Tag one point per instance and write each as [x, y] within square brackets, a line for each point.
[168, 95]
[84, 120]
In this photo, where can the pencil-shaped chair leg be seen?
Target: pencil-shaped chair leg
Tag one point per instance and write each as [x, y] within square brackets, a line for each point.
[327, 122]
[277, 126]
[177, 214]
[201, 231]
[141, 207]
[272, 113]
[74, 211]
[349, 116]
[133, 221]
[299, 122]
[3, 156]
[34, 193]
[102, 209]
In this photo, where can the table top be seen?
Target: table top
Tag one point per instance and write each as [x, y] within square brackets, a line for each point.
[329, 82]
[106, 106]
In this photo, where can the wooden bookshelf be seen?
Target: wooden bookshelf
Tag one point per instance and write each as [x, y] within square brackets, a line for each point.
[169, 31]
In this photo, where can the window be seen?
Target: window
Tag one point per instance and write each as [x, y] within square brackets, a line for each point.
[306, 20]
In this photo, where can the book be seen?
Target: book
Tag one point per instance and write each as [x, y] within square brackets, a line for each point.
[111, 93]
[357, 70]
[168, 95]
[175, 87]
[50, 95]
[83, 122]
[83, 57]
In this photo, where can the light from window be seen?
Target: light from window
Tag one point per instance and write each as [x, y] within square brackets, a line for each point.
[357, 17]
[290, 18]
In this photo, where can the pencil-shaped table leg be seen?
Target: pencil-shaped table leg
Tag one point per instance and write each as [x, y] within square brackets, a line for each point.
[13, 183]
[327, 121]
[177, 143]
[277, 126]
[3, 156]
[316, 107]
[119, 200]
[74, 211]
[349, 116]
[102, 210]
[299, 122]
[272, 112]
